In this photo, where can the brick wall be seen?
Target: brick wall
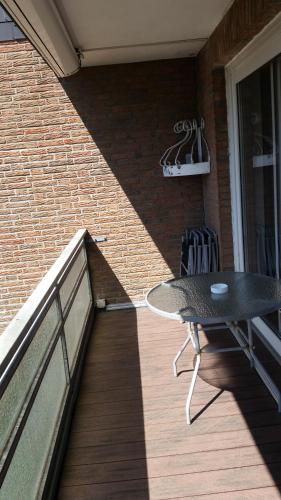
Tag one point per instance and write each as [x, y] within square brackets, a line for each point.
[84, 152]
[241, 23]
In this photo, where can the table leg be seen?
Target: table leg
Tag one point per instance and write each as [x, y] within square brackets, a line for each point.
[196, 345]
[250, 342]
[186, 342]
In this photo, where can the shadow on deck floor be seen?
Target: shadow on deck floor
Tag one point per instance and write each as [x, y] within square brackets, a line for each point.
[129, 439]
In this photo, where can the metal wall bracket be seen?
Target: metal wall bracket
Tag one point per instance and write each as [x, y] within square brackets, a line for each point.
[96, 239]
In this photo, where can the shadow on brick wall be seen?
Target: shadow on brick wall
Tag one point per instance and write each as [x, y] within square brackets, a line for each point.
[129, 111]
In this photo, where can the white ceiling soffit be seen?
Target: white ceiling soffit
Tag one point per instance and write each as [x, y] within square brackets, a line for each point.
[42, 24]
[115, 31]
[122, 31]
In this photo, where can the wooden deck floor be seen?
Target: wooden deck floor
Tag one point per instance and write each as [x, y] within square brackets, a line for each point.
[129, 438]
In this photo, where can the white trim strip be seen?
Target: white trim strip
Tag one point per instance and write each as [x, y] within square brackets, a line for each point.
[263, 47]
[126, 305]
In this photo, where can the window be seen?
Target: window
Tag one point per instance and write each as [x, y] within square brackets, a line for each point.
[8, 29]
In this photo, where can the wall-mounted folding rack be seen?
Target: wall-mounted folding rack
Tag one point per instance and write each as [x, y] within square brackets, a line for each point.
[190, 155]
[262, 148]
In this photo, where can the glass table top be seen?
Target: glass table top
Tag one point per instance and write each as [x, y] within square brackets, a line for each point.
[190, 298]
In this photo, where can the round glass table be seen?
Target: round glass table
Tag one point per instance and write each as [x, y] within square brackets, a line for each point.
[190, 299]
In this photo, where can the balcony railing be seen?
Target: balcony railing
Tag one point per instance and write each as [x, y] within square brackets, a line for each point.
[40, 360]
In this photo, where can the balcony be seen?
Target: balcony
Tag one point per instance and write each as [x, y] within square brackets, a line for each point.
[89, 404]
[125, 436]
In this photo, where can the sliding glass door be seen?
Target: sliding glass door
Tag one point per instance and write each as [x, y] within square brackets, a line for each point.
[259, 112]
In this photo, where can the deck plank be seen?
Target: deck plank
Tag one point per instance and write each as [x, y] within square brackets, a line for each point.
[129, 439]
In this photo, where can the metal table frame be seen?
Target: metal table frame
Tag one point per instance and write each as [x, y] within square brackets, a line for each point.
[245, 344]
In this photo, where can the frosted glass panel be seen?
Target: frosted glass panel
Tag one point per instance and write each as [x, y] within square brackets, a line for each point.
[76, 318]
[70, 280]
[25, 472]
[15, 393]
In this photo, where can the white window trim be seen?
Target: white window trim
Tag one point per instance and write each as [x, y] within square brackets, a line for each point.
[263, 48]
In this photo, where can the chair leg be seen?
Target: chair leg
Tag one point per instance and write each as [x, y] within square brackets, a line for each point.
[191, 388]
[186, 342]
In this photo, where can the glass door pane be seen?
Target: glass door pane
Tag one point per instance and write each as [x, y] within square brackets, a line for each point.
[258, 176]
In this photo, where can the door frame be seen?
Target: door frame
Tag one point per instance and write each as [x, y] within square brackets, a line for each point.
[263, 48]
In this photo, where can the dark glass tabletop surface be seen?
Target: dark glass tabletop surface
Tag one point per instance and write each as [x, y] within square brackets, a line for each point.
[190, 298]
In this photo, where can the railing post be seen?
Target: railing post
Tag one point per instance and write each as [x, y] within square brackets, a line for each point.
[88, 272]
[62, 336]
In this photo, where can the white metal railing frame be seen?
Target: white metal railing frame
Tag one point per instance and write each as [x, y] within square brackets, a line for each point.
[19, 334]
